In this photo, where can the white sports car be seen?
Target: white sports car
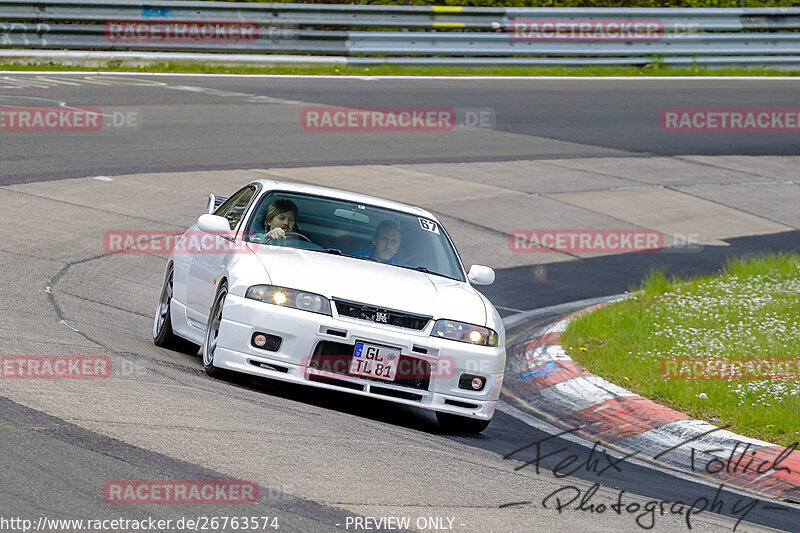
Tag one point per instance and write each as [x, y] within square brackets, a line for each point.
[336, 290]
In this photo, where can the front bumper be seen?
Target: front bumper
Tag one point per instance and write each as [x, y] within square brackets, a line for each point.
[304, 333]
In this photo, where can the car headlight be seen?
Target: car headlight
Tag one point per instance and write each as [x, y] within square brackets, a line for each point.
[459, 331]
[306, 301]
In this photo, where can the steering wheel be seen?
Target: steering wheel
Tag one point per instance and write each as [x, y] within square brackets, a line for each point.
[291, 233]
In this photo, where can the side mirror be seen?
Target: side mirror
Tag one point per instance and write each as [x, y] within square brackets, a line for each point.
[213, 224]
[481, 275]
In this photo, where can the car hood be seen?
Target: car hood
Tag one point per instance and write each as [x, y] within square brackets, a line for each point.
[372, 283]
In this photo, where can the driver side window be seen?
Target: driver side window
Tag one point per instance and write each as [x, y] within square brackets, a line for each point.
[234, 207]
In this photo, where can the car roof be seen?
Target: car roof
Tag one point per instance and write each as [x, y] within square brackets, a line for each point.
[341, 195]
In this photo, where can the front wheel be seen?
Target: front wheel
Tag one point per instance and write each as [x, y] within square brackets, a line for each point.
[460, 424]
[212, 333]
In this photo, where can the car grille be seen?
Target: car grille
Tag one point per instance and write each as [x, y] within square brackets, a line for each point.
[335, 357]
[380, 315]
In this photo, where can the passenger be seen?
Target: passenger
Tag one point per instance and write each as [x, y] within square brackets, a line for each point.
[385, 243]
[281, 218]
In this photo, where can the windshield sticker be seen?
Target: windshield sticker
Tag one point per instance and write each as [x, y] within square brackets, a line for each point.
[428, 225]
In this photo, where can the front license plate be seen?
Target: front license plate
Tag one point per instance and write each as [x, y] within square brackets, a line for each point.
[375, 361]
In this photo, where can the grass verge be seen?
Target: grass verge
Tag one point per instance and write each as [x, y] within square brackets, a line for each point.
[751, 310]
[392, 70]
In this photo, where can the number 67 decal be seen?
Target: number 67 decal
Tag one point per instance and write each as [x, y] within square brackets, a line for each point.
[428, 225]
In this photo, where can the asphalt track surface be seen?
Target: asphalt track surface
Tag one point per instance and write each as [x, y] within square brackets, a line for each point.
[56, 453]
[186, 125]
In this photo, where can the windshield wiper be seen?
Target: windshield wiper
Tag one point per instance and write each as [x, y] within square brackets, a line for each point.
[336, 251]
[425, 270]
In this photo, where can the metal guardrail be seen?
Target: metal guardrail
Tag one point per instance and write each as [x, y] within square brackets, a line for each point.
[408, 34]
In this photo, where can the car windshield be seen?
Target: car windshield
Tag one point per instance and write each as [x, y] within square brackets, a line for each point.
[361, 231]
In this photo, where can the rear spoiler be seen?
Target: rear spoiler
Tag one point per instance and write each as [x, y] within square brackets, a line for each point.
[214, 202]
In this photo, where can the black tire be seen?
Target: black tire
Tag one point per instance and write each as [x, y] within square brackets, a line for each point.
[212, 333]
[163, 335]
[460, 424]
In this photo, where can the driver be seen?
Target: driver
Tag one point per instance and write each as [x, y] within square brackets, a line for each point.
[281, 217]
